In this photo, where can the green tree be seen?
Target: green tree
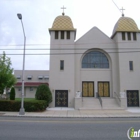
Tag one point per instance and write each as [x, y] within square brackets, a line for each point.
[7, 79]
[12, 94]
[43, 93]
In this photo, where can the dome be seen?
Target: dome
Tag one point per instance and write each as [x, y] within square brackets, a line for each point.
[125, 24]
[62, 23]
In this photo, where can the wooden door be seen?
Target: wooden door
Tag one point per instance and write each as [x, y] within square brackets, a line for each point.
[88, 89]
[104, 89]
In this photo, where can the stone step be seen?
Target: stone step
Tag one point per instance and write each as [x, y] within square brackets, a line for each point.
[93, 103]
[90, 103]
[110, 103]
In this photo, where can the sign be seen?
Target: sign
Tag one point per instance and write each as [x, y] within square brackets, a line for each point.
[131, 133]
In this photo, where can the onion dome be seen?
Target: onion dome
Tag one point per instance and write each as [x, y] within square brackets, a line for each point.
[62, 23]
[125, 24]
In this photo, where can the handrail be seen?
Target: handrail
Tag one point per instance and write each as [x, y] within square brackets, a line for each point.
[100, 99]
[117, 96]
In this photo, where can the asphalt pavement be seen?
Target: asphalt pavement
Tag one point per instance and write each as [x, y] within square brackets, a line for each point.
[27, 128]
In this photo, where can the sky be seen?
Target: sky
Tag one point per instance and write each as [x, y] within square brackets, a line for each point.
[38, 16]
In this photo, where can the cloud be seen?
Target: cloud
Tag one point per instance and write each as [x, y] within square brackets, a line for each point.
[38, 16]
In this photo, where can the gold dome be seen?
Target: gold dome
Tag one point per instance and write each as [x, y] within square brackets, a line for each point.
[125, 24]
[62, 23]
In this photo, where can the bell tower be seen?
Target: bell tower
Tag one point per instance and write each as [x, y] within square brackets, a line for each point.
[62, 61]
[127, 37]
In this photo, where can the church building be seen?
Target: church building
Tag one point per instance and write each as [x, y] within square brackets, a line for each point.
[95, 71]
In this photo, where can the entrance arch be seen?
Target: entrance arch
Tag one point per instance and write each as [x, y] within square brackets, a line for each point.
[96, 69]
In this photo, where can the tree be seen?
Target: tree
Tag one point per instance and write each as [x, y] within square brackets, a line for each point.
[7, 79]
[43, 93]
[12, 94]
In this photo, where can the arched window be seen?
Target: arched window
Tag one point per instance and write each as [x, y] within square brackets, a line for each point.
[95, 59]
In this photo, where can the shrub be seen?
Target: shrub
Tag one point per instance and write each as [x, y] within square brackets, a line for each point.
[43, 93]
[36, 105]
[12, 94]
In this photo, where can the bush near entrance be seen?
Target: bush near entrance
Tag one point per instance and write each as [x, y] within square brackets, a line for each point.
[12, 94]
[29, 105]
[43, 93]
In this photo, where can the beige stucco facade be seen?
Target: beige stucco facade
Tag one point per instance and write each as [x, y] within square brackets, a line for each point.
[32, 78]
[118, 51]
[94, 65]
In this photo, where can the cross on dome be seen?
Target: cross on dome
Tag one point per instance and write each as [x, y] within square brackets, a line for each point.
[63, 10]
[122, 11]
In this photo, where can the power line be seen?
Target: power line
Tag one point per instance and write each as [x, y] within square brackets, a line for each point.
[64, 44]
[123, 14]
[83, 48]
[71, 53]
[72, 49]
[116, 5]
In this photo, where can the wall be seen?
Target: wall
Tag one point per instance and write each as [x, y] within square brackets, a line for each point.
[129, 51]
[34, 74]
[98, 41]
[62, 49]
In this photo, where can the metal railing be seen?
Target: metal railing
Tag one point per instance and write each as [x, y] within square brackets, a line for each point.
[100, 99]
[117, 96]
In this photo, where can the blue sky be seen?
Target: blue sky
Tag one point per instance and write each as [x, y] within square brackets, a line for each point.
[38, 16]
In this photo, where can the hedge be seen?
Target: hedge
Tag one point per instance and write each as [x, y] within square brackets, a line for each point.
[29, 106]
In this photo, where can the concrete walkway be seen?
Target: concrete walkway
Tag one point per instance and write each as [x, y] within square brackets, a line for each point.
[70, 112]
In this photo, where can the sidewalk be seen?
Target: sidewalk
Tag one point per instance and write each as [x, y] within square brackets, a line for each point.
[72, 113]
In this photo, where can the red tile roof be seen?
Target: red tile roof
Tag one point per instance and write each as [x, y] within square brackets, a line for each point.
[28, 84]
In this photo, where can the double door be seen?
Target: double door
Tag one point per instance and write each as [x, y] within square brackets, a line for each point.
[132, 98]
[88, 89]
[61, 98]
[103, 89]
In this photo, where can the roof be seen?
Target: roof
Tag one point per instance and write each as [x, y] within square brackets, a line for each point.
[28, 84]
[62, 23]
[125, 24]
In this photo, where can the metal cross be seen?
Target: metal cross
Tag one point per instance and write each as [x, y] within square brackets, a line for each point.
[63, 9]
[122, 11]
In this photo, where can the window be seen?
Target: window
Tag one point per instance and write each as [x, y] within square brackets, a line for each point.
[123, 35]
[40, 77]
[129, 36]
[31, 88]
[18, 77]
[61, 64]
[62, 34]
[68, 34]
[29, 77]
[19, 89]
[46, 77]
[95, 59]
[131, 65]
[134, 36]
[56, 34]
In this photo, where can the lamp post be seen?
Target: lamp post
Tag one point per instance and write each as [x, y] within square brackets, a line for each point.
[22, 110]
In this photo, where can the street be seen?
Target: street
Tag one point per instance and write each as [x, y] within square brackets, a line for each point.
[28, 128]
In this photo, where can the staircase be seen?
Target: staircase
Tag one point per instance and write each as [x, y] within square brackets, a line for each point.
[110, 103]
[90, 103]
[93, 103]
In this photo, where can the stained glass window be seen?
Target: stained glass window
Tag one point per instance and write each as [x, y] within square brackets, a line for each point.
[95, 59]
